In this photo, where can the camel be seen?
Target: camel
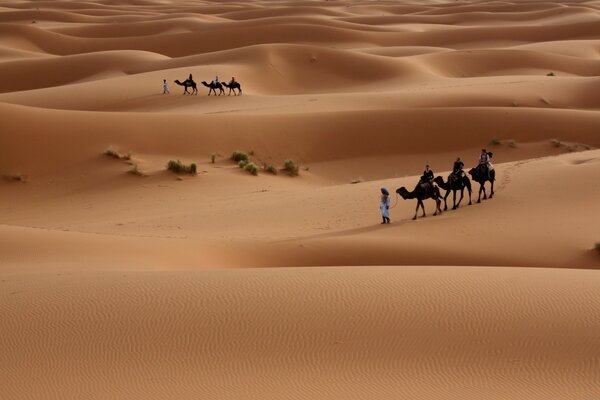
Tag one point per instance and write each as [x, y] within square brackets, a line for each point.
[213, 86]
[481, 176]
[188, 83]
[454, 184]
[422, 192]
[232, 86]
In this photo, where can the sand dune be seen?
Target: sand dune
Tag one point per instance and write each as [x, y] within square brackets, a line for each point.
[153, 285]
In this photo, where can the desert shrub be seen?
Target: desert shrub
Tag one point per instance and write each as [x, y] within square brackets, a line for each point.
[597, 246]
[515, 104]
[112, 153]
[213, 157]
[16, 178]
[271, 169]
[512, 143]
[242, 163]
[252, 168]
[356, 180]
[238, 156]
[555, 142]
[115, 154]
[550, 74]
[135, 170]
[495, 142]
[291, 167]
[179, 167]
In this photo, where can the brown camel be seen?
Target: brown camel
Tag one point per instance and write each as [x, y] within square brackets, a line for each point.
[232, 86]
[480, 175]
[186, 84]
[422, 192]
[213, 86]
[454, 184]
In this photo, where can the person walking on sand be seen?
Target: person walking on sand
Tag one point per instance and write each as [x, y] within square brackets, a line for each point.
[165, 87]
[384, 205]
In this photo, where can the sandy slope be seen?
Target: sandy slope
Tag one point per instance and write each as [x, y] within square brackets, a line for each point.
[117, 286]
[327, 333]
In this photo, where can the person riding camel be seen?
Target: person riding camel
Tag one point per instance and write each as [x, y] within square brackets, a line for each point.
[457, 169]
[484, 162]
[216, 81]
[427, 176]
[232, 80]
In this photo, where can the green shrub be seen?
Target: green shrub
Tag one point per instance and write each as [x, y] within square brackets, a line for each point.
[512, 143]
[495, 142]
[16, 177]
[213, 157]
[238, 156]
[252, 168]
[242, 163]
[271, 169]
[555, 142]
[136, 171]
[115, 154]
[291, 167]
[550, 74]
[179, 167]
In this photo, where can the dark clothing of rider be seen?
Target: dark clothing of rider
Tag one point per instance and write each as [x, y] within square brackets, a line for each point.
[427, 176]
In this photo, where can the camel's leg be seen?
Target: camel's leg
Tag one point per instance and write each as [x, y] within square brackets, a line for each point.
[469, 189]
[492, 194]
[454, 206]
[484, 191]
[445, 197]
[462, 194]
[422, 207]
[416, 210]
[480, 190]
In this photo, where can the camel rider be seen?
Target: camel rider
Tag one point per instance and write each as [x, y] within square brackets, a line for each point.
[216, 81]
[484, 161]
[232, 80]
[427, 176]
[457, 169]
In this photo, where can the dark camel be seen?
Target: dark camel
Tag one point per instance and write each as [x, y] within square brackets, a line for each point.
[481, 176]
[232, 86]
[213, 86]
[454, 184]
[188, 83]
[422, 191]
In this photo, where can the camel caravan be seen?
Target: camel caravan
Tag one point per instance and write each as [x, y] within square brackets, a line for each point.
[429, 187]
[213, 86]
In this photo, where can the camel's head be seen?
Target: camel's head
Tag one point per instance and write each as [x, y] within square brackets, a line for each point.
[472, 171]
[439, 180]
[177, 81]
[402, 192]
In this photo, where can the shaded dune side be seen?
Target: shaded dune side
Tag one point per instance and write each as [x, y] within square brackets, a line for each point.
[326, 333]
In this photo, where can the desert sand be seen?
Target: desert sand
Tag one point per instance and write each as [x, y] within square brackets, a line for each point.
[225, 285]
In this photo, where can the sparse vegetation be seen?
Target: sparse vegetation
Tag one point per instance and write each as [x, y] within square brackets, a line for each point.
[495, 142]
[550, 74]
[213, 158]
[252, 168]
[515, 104]
[291, 167]
[238, 156]
[179, 167]
[597, 246]
[556, 142]
[251, 152]
[356, 180]
[135, 170]
[15, 177]
[271, 169]
[242, 163]
[512, 143]
[115, 154]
